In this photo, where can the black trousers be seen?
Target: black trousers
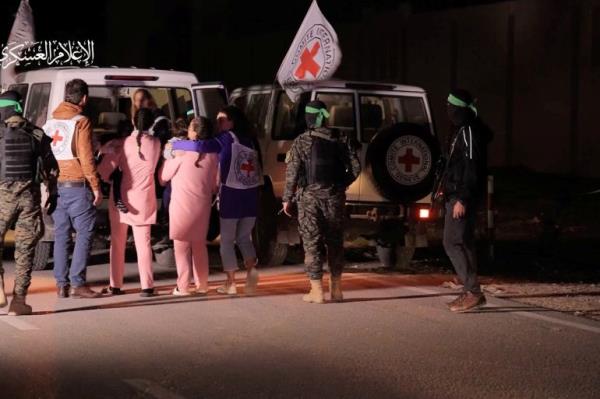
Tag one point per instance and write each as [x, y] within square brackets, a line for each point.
[459, 243]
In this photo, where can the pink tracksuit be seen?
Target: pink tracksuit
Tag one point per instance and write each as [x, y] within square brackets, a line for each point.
[138, 193]
[189, 212]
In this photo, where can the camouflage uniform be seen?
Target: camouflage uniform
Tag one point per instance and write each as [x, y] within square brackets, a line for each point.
[20, 204]
[321, 209]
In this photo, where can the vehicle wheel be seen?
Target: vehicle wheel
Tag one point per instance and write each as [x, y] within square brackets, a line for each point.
[43, 250]
[401, 160]
[269, 251]
[165, 257]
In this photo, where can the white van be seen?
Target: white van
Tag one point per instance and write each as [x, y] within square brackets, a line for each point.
[111, 91]
[390, 201]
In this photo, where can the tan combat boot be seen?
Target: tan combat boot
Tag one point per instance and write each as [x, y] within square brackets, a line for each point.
[316, 292]
[3, 301]
[18, 307]
[335, 289]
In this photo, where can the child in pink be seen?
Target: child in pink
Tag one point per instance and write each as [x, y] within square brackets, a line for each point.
[137, 158]
[193, 179]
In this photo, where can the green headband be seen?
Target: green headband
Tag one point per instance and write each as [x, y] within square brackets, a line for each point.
[11, 103]
[460, 103]
[322, 113]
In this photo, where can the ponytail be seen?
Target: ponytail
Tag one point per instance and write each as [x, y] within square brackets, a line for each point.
[143, 121]
[139, 122]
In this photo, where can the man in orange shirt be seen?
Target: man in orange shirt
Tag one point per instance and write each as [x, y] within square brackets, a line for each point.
[78, 190]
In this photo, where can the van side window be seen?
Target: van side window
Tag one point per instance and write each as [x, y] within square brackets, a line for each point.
[20, 88]
[37, 107]
[289, 117]
[380, 111]
[256, 111]
[183, 102]
[341, 110]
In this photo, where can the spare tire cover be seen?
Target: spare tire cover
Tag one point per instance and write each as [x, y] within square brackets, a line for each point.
[401, 160]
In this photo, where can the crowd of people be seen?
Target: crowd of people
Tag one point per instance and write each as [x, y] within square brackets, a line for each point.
[196, 164]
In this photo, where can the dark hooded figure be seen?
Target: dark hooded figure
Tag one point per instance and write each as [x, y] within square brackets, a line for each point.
[463, 189]
[319, 169]
[25, 160]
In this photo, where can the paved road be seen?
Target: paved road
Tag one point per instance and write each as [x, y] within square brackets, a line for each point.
[392, 338]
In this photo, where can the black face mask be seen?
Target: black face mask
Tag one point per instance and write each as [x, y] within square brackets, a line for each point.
[459, 116]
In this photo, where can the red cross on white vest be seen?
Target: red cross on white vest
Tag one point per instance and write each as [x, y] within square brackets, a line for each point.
[56, 138]
[408, 159]
[247, 167]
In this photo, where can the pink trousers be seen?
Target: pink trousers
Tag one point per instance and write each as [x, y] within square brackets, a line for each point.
[118, 239]
[197, 263]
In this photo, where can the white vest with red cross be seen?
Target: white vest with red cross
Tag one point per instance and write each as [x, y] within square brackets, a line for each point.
[62, 131]
[244, 169]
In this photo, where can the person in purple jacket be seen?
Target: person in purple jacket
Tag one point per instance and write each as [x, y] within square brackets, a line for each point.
[240, 177]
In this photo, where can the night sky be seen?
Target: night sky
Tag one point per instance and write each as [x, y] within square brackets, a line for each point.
[64, 20]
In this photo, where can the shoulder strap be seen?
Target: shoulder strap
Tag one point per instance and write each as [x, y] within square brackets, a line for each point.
[234, 137]
[322, 135]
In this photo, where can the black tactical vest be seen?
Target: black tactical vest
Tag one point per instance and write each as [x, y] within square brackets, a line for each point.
[326, 166]
[17, 154]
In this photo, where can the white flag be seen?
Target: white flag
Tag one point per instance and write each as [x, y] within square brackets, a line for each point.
[314, 55]
[21, 37]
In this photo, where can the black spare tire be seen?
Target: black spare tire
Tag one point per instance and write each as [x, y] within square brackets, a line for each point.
[401, 162]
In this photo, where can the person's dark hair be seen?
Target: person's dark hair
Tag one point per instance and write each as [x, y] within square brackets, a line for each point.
[75, 90]
[124, 128]
[180, 128]
[144, 118]
[241, 125]
[204, 129]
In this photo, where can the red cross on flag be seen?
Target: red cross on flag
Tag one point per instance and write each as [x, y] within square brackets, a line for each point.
[314, 54]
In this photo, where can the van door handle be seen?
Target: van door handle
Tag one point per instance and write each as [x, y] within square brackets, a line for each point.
[281, 157]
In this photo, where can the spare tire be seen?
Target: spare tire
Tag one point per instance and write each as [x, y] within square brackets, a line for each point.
[401, 160]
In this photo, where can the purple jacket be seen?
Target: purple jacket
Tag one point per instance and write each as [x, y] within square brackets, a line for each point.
[233, 203]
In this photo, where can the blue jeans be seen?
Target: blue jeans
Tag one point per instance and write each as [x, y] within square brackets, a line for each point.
[75, 209]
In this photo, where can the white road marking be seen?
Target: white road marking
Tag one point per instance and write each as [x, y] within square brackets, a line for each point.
[152, 389]
[567, 323]
[529, 314]
[18, 323]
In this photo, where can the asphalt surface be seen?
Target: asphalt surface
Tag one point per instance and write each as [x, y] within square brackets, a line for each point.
[392, 338]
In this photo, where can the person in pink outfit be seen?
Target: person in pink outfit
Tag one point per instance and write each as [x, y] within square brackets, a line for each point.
[137, 158]
[193, 179]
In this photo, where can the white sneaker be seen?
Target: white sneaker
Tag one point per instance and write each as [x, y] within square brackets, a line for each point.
[251, 281]
[176, 292]
[201, 291]
[227, 289]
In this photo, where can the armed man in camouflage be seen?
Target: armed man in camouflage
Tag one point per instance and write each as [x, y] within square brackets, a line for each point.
[25, 159]
[320, 166]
